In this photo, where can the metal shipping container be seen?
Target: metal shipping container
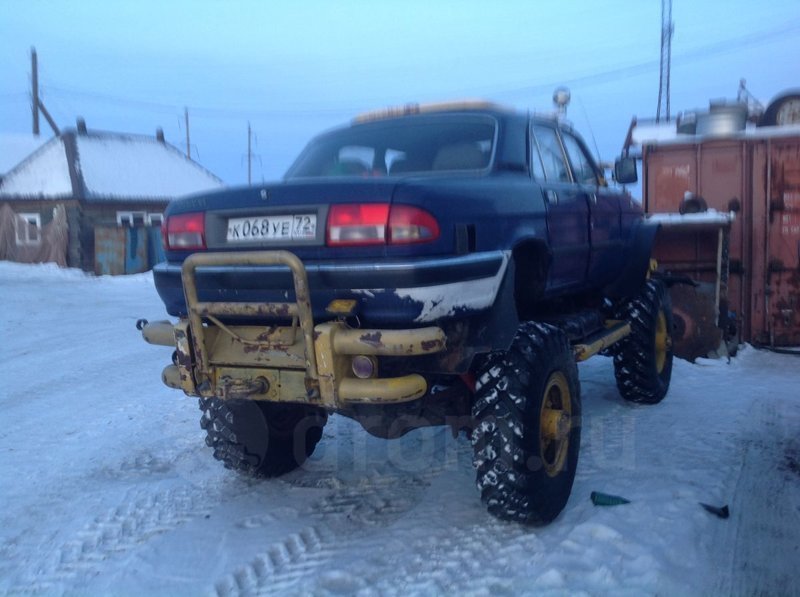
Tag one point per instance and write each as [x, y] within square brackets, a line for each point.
[755, 173]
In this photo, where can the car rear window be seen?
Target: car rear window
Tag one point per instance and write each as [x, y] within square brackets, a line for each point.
[407, 145]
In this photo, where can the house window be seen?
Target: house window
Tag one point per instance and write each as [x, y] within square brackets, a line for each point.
[28, 229]
[131, 218]
[155, 219]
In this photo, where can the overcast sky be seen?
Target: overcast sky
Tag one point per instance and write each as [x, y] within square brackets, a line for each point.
[295, 68]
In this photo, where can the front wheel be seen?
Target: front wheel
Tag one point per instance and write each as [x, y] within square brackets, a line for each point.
[643, 361]
[527, 414]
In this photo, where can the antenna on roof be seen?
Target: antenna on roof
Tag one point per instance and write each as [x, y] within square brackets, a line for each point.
[188, 146]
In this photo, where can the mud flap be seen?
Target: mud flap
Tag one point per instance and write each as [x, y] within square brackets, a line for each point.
[640, 249]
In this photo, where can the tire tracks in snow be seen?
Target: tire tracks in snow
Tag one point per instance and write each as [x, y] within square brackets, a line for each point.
[349, 514]
[117, 531]
[765, 509]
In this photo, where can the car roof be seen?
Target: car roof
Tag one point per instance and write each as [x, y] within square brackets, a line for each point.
[458, 106]
[414, 109]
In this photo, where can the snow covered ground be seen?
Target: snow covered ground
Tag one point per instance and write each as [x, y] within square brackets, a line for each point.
[107, 486]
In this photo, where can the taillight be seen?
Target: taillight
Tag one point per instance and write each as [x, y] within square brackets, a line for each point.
[358, 224]
[185, 232]
[411, 225]
[378, 224]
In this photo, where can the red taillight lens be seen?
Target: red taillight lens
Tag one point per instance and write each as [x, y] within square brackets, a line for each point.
[411, 225]
[358, 224]
[186, 232]
[378, 224]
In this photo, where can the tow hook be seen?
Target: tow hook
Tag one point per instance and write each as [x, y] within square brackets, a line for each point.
[242, 388]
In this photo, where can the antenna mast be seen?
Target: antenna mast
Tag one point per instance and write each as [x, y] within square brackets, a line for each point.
[667, 29]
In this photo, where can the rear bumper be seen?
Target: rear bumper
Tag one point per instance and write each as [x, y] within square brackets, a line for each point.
[387, 292]
[248, 363]
[302, 362]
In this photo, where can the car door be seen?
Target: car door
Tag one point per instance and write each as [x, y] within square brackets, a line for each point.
[606, 255]
[567, 205]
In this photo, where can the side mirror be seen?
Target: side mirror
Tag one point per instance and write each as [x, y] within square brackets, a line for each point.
[625, 170]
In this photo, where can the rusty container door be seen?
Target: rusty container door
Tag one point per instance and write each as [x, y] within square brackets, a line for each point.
[722, 179]
[715, 170]
[776, 246]
[109, 250]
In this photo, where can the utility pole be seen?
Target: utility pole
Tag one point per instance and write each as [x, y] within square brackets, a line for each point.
[667, 29]
[35, 91]
[36, 102]
[249, 156]
[186, 118]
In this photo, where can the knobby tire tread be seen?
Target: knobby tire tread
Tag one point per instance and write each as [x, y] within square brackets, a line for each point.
[242, 438]
[509, 471]
[638, 379]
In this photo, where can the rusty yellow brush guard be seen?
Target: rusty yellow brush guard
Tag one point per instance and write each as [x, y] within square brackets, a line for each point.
[555, 424]
[300, 362]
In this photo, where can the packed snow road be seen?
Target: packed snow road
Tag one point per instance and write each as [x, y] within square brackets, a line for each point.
[107, 486]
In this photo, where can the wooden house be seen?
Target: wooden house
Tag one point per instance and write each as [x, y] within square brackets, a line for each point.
[106, 193]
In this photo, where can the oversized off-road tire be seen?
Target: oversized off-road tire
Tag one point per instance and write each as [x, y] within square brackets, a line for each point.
[643, 360]
[261, 439]
[527, 417]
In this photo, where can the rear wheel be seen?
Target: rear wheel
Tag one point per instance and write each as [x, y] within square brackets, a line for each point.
[527, 426]
[643, 361]
[262, 439]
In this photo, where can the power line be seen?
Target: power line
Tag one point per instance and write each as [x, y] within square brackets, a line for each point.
[721, 47]
[621, 72]
[205, 111]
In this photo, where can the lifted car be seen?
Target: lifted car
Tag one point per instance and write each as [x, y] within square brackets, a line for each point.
[432, 265]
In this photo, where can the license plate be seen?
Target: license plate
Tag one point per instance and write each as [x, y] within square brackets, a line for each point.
[272, 228]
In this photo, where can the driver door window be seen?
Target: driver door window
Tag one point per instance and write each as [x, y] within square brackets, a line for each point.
[553, 161]
[582, 168]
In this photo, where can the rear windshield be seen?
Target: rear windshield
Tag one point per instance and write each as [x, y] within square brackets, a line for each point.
[408, 145]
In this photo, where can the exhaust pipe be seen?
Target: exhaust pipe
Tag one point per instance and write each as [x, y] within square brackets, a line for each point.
[159, 332]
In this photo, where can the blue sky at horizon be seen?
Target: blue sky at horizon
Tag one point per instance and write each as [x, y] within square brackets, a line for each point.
[294, 69]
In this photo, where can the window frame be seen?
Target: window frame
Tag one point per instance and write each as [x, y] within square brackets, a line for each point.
[570, 179]
[595, 181]
[31, 219]
[128, 218]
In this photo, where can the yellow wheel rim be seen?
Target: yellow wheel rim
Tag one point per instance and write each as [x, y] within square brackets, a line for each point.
[663, 342]
[555, 423]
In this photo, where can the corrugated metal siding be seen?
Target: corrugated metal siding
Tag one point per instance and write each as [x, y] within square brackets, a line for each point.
[764, 175]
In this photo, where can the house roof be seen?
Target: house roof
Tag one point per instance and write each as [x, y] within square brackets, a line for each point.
[101, 166]
[14, 147]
